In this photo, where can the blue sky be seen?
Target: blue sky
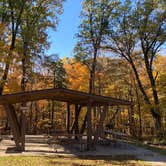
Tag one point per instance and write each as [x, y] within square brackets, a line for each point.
[63, 39]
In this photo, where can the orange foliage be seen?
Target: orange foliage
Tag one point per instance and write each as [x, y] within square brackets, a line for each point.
[77, 76]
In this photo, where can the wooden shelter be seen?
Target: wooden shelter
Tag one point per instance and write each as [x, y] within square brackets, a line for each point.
[71, 97]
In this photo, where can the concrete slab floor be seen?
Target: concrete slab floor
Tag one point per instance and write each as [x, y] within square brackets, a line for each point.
[36, 145]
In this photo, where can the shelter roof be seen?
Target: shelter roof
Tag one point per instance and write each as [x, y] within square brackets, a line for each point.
[61, 94]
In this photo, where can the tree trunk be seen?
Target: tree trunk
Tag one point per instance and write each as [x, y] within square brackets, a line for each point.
[5, 74]
[92, 73]
[23, 80]
[156, 109]
[139, 113]
[111, 123]
[131, 113]
[91, 84]
[131, 121]
[155, 113]
[23, 88]
[148, 60]
[157, 121]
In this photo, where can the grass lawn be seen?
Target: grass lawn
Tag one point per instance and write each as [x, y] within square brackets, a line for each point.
[69, 161]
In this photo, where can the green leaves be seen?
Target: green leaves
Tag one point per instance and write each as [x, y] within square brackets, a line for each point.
[56, 71]
[95, 22]
[26, 23]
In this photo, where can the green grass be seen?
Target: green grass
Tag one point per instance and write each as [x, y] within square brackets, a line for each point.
[69, 161]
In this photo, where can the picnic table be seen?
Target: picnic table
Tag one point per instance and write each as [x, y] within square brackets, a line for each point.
[68, 139]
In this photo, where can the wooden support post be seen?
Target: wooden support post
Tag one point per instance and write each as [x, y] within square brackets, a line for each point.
[94, 117]
[76, 121]
[68, 118]
[99, 129]
[13, 121]
[89, 127]
[23, 120]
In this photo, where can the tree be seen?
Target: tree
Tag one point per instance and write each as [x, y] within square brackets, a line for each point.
[11, 16]
[134, 25]
[37, 17]
[26, 22]
[92, 31]
[56, 75]
[152, 35]
[77, 75]
[56, 71]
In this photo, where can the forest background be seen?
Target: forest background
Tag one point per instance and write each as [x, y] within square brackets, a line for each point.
[120, 52]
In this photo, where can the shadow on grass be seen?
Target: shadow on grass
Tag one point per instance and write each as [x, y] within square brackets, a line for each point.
[97, 157]
[12, 150]
[94, 160]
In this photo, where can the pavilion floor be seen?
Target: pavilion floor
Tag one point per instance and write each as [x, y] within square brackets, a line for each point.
[36, 145]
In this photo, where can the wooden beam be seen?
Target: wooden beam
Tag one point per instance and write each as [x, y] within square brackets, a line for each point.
[89, 127]
[99, 129]
[76, 120]
[74, 123]
[23, 121]
[13, 121]
[64, 95]
[68, 118]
